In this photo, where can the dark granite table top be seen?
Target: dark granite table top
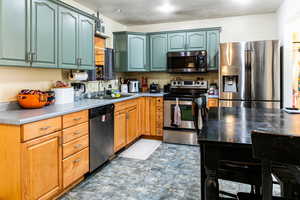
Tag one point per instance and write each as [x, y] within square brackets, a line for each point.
[234, 125]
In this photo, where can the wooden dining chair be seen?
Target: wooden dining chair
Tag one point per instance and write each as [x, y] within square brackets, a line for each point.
[280, 156]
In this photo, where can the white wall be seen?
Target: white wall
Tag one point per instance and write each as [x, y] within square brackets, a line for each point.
[234, 29]
[288, 22]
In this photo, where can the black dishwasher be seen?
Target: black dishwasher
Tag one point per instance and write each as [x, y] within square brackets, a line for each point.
[101, 135]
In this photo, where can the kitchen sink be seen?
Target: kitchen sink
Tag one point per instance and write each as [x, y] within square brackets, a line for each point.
[111, 98]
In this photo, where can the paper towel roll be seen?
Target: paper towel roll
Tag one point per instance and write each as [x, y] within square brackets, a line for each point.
[78, 76]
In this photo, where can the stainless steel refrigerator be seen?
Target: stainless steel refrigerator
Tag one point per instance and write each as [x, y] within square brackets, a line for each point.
[249, 74]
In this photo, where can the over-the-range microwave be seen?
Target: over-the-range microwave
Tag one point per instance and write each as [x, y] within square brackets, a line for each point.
[187, 61]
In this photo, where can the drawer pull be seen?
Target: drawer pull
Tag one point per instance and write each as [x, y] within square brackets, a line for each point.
[45, 128]
[77, 146]
[76, 161]
[77, 119]
[77, 132]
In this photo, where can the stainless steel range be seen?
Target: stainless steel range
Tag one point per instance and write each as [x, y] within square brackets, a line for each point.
[184, 108]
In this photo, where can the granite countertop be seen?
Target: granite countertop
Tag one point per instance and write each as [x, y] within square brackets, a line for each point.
[234, 125]
[23, 116]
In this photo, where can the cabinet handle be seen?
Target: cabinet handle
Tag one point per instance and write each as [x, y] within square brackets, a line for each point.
[34, 58]
[80, 61]
[77, 119]
[29, 57]
[77, 146]
[45, 128]
[77, 161]
[76, 132]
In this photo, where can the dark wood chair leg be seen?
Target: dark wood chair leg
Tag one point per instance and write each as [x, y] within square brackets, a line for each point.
[211, 185]
[211, 161]
[267, 181]
[203, 174]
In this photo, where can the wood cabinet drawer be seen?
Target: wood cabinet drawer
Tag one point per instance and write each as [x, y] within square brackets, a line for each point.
[40, 128]
[75, 167]
[125, 105]
[75, 146]
[75, 132]
[75, 118]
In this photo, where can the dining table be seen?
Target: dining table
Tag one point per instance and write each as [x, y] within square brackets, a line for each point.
[226, 135]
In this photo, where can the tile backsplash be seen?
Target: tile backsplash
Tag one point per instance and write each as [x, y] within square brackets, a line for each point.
[163, 78]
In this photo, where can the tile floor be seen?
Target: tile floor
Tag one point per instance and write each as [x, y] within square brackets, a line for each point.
[172, 172]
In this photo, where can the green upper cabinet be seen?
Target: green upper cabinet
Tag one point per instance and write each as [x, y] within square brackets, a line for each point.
[44, 31]
[213, 41]
[137, 53]
[120, 46]
[158, 52]
[177, 41]
[187, 41]
[45, 34]
[68, 38]
[76, 40]
[86, 43]
[196, 41]
[13, 33]
[130, 52]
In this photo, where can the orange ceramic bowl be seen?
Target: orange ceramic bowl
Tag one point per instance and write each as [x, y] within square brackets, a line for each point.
[31, 101]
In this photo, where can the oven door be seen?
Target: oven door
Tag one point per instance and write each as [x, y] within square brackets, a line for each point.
[186, 108]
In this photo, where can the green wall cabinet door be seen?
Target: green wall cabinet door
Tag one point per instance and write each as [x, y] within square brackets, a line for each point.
[44, 31]
[68, 38]
[120, 46]
[86, 43]
[137, 53]
[196, 41]
[158, 52]
[130, 52]
[177, 41]
[213, 41]
[13, 33]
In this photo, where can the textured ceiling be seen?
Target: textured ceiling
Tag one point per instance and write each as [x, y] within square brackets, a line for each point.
[137, 12]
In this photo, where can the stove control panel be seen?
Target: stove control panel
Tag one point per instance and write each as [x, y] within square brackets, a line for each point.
[190, 84]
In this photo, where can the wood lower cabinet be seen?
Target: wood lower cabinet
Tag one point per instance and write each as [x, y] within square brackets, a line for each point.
[40, 160]
[132, 124]
[156, 116]
[42, 167]
[127, 124]
[134, 118]
[75, 166]
[120, 130]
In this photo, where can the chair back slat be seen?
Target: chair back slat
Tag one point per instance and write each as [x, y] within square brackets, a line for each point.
[276, 148]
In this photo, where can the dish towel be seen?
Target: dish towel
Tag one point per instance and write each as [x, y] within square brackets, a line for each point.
[177, 114]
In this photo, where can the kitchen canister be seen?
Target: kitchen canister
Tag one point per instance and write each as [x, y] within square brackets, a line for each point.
[64, 95]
